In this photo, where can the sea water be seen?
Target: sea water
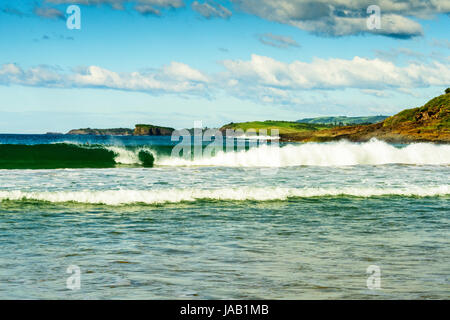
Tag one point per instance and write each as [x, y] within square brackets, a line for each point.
[295, 221]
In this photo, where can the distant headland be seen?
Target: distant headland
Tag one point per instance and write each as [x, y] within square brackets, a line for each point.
[139, 130]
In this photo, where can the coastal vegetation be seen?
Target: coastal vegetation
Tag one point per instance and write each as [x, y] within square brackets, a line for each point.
[283, 127]
[343, 120]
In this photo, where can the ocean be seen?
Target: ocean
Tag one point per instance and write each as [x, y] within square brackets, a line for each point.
[336, 220]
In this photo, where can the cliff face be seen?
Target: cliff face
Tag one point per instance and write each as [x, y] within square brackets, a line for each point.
[150, 130]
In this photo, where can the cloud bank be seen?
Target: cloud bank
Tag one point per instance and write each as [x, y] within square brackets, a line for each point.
[50, 13]
[277, 41]
[261, 79]
[174, 78]
[211, 9]
[330, 18]
[340, 17]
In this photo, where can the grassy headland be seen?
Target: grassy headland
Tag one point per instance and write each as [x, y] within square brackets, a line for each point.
[431, 122]
[284, 127]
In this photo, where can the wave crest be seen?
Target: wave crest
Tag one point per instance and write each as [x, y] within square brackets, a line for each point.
[342, 153]
[123, 197]
[374, 152]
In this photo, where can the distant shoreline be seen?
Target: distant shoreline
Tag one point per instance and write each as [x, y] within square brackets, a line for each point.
[429, 123]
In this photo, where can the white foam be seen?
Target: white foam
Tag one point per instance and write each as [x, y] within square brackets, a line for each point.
[125, 156]
[122, 197]
[342, 153]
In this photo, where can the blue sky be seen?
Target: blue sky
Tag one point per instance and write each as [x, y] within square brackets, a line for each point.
[173, 62]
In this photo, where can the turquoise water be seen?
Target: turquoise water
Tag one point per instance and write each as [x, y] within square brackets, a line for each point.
[230, 226]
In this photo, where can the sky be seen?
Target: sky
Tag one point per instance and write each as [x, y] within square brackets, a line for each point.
[173, 62]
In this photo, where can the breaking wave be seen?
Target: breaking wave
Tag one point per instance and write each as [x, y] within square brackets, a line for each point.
[69, 155]
[374, 152]
[342, 153]
[160, 196]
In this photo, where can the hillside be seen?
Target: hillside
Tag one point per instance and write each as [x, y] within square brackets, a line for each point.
[343, 120]
[283, 127]
[434, 115]
[431, 122]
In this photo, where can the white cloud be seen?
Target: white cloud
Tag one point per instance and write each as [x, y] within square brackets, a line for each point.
[391, 25]
[261, 79]
[210, 9]
[336, 73]
[142, 6]
[174, 78]
[146, 9]
[51, 13]
[342, 17]
[35, 76]
[322, 17]
[181, 72]
[277, 41]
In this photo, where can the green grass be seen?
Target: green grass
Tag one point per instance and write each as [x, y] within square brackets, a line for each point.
[284, 127]
[403, 116]
[440, 105]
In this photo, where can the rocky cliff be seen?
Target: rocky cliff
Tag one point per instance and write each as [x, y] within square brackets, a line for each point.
[150, 130]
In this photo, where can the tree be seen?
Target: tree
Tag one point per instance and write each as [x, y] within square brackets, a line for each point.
[447, 90]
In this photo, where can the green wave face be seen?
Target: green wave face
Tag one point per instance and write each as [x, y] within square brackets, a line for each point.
[58, 156]
[147, 159]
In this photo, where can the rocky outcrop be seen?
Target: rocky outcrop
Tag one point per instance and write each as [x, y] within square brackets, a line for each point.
[427, 115]
[150, 130]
